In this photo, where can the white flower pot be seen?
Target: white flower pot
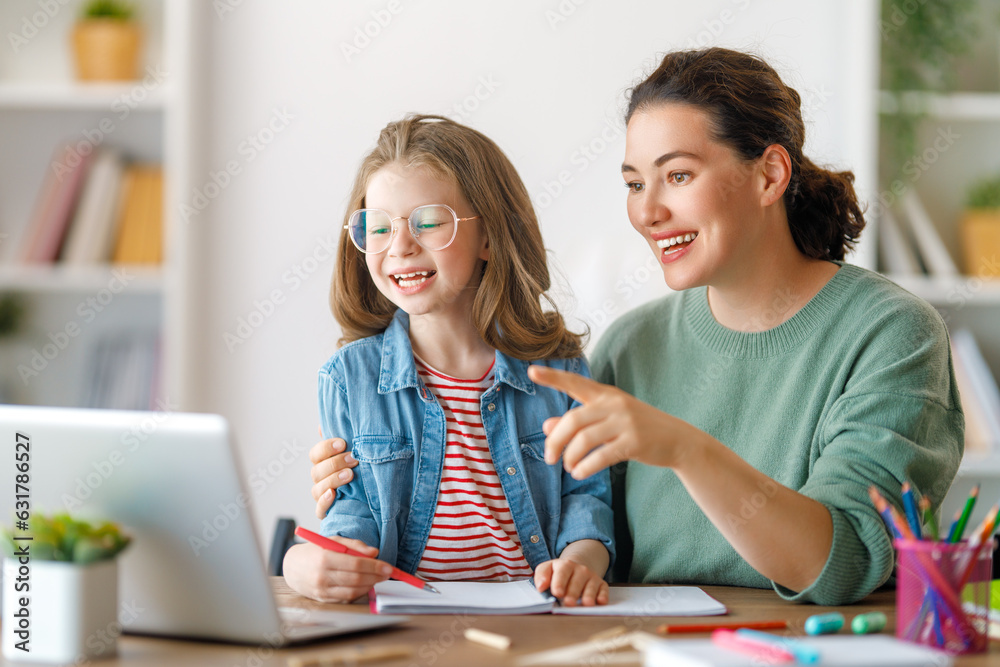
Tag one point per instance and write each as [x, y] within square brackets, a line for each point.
[72, 610]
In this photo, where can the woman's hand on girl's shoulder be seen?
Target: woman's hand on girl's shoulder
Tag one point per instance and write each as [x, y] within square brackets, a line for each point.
[331, 469]
[573, 583]
[329, 576]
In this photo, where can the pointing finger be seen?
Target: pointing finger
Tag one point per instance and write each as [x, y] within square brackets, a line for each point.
[580, 388]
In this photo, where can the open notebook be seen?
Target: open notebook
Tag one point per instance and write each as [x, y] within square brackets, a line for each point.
[520, 597]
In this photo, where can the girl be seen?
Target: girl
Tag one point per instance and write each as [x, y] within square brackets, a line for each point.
[438, 285]
[757, 404]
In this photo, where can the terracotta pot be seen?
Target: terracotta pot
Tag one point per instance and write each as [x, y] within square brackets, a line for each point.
[71, 612]
[980, 232]
[107, 49]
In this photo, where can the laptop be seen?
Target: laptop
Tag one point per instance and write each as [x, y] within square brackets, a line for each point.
[194, 568]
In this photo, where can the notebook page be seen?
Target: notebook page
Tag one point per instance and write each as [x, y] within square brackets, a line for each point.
[652, 601]
[509, 597]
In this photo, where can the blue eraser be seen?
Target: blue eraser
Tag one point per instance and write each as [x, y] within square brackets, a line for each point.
[824, 624]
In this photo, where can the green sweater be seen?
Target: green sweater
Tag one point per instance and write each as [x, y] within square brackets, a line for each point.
[855, 389]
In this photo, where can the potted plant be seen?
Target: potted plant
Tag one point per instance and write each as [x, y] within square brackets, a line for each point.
[980, 229]
[106, 41]
[920, 46]
[11, 315]
[60, 588]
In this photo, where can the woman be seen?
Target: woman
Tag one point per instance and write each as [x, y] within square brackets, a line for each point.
[757, 405]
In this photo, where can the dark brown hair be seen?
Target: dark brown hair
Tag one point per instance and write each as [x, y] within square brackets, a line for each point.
[507, 309]
[750, 108]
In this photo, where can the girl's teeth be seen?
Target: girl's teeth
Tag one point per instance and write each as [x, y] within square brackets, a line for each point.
[682, 238]
[411, 279]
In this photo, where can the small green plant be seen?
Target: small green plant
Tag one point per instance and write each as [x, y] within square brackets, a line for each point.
[119, 10]
[62, 538]
[921, 44]
[985, 193]
[11, 314]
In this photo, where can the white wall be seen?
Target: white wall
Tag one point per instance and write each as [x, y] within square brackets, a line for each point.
[546, 80]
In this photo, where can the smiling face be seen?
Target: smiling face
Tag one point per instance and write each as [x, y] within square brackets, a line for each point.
[693, 199]
[417, 280]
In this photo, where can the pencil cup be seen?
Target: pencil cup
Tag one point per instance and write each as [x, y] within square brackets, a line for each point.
[943, 594]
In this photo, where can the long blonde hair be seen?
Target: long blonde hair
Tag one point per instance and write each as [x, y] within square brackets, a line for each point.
[507, 310]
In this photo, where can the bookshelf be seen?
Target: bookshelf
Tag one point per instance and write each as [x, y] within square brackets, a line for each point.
[971, 119]
[72, 311]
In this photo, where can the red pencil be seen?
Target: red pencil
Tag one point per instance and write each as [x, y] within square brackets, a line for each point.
[709, 627]
[332, 545]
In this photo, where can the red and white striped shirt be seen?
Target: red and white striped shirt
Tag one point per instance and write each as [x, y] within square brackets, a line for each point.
[472, 535]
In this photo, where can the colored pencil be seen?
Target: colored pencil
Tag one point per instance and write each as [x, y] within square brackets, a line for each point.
[966, 511]
[667, 629]
[925, 507]
[332, 545]
[910, 507]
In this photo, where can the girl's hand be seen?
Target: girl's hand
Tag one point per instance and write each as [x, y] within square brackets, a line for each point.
[331, 469]
[329, 576]
[571, 582]
[609, 427]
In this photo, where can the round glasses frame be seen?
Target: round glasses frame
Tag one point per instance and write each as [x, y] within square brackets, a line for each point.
[414, 233]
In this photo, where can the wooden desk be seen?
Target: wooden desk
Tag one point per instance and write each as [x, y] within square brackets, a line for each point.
[438, 642]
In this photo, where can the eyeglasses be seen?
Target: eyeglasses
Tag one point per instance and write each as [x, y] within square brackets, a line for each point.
[434, 227]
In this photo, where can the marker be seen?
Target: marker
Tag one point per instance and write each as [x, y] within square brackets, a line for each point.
[766, 652]
[666, 629]
[804, 653]
[873, 621]
[396, 574]
[824, 624]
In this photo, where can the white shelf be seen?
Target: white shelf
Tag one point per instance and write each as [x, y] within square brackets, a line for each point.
[56, 279]
[954, 106]
[951, 290]
[72, 95]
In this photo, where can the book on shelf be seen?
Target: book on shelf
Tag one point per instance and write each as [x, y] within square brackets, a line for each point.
[140, 240]
[124, 372]
[102, 210]
[979, 393]
[54, 207]
[896, 253]
[937, 261]
[95, 220]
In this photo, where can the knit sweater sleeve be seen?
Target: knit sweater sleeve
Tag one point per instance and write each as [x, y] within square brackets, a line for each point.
[898, 418]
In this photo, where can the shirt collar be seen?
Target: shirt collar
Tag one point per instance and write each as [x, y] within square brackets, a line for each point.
[398, 370]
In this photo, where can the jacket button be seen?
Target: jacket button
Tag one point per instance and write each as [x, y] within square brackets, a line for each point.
[534, 539]
[512, 470]
[491, 407]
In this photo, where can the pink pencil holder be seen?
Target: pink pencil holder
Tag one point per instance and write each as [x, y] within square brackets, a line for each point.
[934, 607]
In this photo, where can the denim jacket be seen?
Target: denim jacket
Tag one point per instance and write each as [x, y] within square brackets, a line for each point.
[370, 395]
